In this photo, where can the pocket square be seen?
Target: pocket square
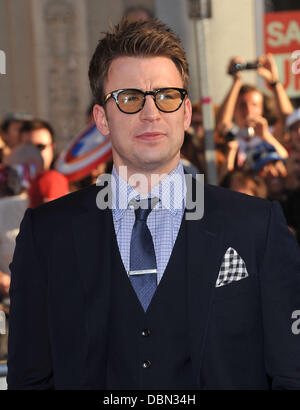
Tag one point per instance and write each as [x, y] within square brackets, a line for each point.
[233, 268]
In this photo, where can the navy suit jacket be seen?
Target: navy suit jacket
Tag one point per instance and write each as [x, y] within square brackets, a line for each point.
[240, 335]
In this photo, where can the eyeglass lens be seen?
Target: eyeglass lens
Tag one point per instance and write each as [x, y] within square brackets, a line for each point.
[132, 100]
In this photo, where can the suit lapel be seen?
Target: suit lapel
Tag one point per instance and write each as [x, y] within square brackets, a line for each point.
[204, 256]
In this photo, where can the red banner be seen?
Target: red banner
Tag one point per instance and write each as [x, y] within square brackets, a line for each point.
[282, 32]
[282, 39]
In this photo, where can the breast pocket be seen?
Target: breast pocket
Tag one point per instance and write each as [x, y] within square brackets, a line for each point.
[242, 287]
[236, 310]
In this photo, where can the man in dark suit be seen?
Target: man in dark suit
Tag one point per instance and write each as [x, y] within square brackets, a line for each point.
[144, 296]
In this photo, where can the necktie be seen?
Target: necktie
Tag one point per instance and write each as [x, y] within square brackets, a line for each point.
[143, 268]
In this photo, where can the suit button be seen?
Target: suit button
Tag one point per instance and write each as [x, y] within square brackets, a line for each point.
[146, 364]
[145, 332]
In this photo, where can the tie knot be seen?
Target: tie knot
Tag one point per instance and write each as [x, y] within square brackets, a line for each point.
[143, 207]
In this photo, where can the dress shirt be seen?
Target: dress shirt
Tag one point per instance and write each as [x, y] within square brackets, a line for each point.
[163, 222]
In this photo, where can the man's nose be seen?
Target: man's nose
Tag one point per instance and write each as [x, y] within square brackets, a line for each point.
[150, 112]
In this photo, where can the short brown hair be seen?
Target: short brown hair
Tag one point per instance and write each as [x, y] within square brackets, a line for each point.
[37, 124]
[141, 38]
[249, 88]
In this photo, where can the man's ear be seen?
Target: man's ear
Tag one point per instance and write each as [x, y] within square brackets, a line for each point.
[100, 119]
[187, 114]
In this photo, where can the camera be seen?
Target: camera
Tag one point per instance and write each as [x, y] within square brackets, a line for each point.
[242, 133]
[246, 66]
[246, 133]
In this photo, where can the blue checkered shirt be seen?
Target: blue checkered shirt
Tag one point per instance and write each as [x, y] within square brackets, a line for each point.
[163, 222]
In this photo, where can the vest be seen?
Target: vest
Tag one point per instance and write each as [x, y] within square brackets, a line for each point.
[150, 350]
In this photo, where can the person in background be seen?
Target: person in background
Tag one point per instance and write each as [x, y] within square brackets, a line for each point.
[21, 165]
[246, 183]
[197, 121]
[196, 130]
[253, 129]
[197, 126]
[23, 162]
[242, 112]
[189, 153]
[49, 184]
[265, 161]
[10, 131]
[252, 104]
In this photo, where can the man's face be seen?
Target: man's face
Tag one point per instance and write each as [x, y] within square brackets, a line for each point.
[295, 135]
[12, 136]
[249, 106]
[150, 140]
[42, 139]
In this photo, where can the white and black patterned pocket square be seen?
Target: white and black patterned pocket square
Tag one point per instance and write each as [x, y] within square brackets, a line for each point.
[233, 268]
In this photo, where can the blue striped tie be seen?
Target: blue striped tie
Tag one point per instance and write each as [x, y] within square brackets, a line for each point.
[143, 268]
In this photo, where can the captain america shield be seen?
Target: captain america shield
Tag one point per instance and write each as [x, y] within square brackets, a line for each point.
[83, 154]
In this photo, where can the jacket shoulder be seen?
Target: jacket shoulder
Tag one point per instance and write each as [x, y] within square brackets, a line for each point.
[67, 205]
[232, 201]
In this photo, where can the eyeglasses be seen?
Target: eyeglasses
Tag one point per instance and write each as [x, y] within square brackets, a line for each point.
[131, 101]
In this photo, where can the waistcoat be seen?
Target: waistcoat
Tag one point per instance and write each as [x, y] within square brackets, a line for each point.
[149, 350]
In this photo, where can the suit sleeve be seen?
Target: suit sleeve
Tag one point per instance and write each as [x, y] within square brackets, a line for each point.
[29, 355]
[280, 291]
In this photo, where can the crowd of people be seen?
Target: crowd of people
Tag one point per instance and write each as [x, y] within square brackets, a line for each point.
[257, 140]
[257, 146]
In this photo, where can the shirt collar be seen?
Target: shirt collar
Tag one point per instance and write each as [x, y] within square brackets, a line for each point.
[171, 192]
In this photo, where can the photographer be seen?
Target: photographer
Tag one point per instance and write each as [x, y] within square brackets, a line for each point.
[240, 116]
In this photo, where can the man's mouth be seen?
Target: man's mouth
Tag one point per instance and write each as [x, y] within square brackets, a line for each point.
[151, 136]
